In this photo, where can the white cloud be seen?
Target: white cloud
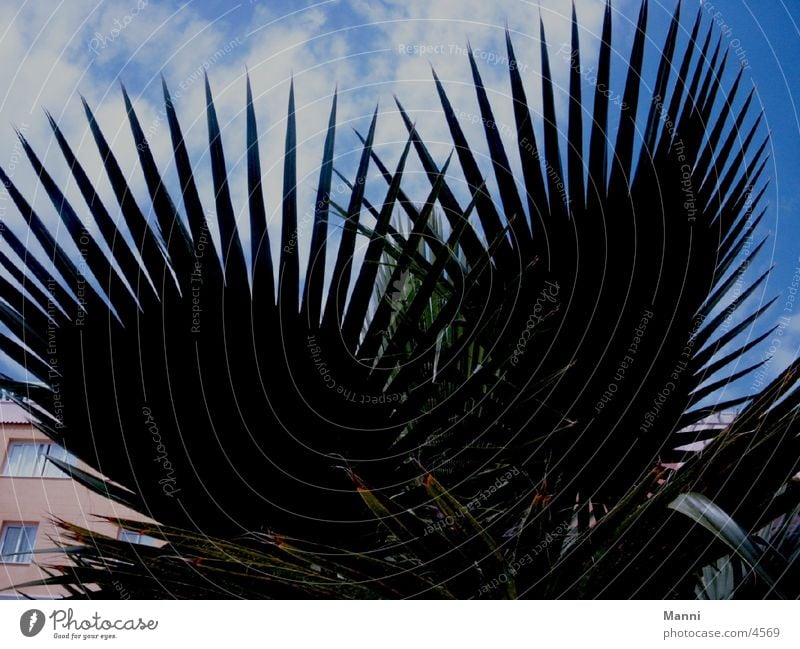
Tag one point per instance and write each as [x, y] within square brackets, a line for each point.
[87, 47]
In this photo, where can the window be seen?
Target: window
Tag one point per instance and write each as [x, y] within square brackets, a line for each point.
[16, 542]
[129, 536]
[29, 460]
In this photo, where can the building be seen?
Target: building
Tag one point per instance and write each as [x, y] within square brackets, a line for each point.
[33, 492]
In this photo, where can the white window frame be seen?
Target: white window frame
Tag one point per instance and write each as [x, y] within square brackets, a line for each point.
[129, 536]
[17, 555]
[40, 467]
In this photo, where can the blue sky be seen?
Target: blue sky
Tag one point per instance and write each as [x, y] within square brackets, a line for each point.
[372, 50]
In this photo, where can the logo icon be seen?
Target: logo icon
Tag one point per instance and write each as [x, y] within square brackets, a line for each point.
[31, 622]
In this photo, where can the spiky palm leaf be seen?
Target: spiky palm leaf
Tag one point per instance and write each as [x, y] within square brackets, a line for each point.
[311, 410]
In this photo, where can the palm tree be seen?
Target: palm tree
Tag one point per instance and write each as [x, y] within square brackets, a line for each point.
[416, 426]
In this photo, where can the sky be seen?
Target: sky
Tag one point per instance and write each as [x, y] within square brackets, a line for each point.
[370, 50]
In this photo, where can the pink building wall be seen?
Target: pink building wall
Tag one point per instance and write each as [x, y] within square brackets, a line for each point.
[37, 500]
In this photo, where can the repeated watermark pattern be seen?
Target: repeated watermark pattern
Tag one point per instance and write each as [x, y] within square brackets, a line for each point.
[168, 482]
[671, 385]
[526, 559]
[738, 285]
[483, 496]
[196, 279]
[342, 390]
[546, 297]
[679, 149]
[455, 49]
[627, 361]
[11, 167]
[101, 41]
[589, 74]
[80, 279]
[53, 372]
[726, 30]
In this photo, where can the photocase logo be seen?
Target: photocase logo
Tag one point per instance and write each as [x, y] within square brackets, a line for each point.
[31, 622]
